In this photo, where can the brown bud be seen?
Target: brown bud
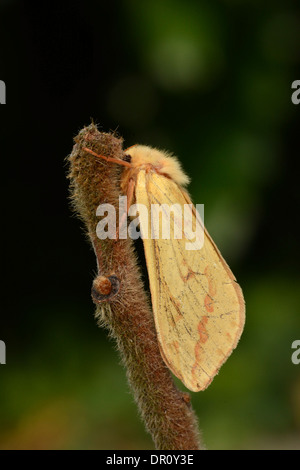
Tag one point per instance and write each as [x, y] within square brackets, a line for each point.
[103, 285]
[105, 288]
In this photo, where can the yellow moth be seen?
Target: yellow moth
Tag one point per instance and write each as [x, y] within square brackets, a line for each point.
[198, 307]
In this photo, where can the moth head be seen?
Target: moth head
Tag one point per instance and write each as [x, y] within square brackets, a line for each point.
[161, 162]
[127, 158]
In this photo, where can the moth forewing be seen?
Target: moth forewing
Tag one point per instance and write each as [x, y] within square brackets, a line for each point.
[198, 307]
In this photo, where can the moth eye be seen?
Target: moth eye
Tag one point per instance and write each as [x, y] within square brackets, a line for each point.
[127, 158]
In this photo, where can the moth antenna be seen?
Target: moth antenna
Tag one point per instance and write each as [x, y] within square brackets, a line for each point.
[131, 146]
[108, 159]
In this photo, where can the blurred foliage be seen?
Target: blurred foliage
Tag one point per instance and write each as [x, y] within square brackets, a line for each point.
[211, 82]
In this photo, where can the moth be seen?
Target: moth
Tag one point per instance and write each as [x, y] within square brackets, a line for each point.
[198, 306]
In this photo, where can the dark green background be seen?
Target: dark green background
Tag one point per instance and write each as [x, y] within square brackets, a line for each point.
[209, 81]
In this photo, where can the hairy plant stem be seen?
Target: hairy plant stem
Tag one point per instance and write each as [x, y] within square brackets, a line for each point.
[122, 303]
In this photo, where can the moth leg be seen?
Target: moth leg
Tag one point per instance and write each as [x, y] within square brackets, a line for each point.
[130, 194]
